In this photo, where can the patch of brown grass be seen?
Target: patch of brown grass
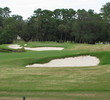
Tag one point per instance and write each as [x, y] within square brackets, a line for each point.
[95, 47]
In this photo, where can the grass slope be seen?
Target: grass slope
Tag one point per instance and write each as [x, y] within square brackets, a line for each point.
[70, 83]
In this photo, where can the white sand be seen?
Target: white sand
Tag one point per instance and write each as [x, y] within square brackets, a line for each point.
[15, 46]
[80, 61]
[44, 48]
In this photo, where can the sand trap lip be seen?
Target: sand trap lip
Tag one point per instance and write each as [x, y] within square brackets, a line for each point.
[80, 61]
[16, 46]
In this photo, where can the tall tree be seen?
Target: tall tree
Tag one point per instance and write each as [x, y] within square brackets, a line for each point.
[106, 11]
[63, 29]
[5, 12]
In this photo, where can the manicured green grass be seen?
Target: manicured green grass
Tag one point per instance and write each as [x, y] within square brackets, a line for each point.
[69, 83]
[45, 44]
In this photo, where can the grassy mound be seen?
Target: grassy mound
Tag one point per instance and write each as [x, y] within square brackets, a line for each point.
[11, 50]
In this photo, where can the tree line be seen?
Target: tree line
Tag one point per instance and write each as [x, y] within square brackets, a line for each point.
[60, 25]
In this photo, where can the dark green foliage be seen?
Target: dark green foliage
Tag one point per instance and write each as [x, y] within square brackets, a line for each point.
[60, 25]
[10, 26]
[106, 11]
[25, 33]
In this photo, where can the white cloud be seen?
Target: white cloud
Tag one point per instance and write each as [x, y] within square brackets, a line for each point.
[26, 7]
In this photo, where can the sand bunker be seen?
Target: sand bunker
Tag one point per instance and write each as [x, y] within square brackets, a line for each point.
[15, 46]
[79, 61]
[44, 48]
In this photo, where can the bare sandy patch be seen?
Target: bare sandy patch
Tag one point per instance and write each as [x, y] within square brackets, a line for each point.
[80, 61]
[15, 46]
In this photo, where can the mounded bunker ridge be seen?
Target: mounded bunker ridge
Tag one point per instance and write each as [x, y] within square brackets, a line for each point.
[16, 46]
[80, 61]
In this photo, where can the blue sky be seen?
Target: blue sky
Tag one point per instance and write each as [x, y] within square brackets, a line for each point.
[25, 8]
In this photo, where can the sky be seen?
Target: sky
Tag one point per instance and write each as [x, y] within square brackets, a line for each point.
[26, 8]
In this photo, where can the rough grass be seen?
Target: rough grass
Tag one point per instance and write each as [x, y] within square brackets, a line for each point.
[62, 96]
[90, 47]
[70, 83]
